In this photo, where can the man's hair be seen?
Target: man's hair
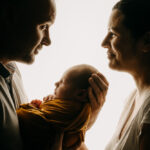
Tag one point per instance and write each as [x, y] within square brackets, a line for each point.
[136, 14]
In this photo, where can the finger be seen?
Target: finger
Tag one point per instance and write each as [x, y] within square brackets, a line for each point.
[46, 98]
[103, 78]
[51, 97]
[96, 90]
[93, 100]
[100, 82]
[97, 94]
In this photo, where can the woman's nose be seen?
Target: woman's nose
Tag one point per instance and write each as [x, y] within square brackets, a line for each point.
[105, 42]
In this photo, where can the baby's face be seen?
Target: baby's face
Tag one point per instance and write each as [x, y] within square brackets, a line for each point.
[73, 81]
[65, 88]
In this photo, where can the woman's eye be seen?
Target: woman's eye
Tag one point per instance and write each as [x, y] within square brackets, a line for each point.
[112, 34]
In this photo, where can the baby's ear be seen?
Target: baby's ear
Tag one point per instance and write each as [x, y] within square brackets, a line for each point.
[82, 95]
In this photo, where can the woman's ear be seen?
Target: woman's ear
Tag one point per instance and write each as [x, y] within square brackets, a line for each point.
[146, 42]
[82, 95]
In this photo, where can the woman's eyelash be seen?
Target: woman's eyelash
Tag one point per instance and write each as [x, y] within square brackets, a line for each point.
[112, 34]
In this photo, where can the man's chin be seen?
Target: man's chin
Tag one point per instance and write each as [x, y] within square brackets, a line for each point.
[27, 60]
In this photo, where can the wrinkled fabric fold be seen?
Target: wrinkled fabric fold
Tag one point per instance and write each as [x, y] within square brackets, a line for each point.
[70, 116]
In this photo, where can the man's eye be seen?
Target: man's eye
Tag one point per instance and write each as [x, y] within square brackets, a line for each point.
[43, 27]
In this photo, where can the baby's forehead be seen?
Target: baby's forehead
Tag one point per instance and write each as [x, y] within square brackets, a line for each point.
[79, 72]
[70, 74]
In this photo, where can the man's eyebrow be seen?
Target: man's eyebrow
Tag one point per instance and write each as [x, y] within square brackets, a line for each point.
[47, 20]
[50, 18]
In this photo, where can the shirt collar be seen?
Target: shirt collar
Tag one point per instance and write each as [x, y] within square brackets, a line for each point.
[6, 70]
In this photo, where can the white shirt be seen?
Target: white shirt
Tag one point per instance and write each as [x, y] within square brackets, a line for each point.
[11, 96]
[129, 139]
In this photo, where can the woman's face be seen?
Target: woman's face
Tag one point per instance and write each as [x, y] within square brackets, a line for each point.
[122, 49]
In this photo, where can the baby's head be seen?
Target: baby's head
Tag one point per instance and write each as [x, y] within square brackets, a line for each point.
[74, 83]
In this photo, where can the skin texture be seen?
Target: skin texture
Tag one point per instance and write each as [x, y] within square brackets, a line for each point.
[125, 53]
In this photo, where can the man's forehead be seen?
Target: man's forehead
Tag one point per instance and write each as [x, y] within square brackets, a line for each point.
[44, 16]
[41, 18]
[43, 10]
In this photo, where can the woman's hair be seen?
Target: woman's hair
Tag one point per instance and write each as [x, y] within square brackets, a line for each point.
[137, 13]
[39, 126]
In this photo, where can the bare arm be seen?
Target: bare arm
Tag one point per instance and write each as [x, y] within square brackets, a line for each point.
[145, 137]
[97, 95]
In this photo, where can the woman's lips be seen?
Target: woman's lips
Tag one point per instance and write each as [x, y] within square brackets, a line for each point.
[110, 54]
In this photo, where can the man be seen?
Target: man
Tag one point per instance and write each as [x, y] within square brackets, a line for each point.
[24, 29]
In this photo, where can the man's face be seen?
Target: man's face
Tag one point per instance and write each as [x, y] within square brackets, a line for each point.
[31, 32]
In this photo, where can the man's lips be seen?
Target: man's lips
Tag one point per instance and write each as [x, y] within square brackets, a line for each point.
[38, 49]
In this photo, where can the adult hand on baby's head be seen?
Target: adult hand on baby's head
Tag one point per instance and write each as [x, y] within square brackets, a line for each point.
[36, 103]
[97, 94]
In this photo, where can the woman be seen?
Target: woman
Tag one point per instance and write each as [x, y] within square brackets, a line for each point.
[128, 48]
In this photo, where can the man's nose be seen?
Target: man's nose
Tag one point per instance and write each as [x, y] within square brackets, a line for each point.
[46, 39]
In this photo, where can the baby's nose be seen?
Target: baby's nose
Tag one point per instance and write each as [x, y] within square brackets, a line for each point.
[56, 84]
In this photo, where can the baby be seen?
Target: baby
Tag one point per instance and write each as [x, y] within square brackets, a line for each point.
[68, 110]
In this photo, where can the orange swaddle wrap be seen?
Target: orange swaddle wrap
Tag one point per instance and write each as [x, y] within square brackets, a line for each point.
[38, 126]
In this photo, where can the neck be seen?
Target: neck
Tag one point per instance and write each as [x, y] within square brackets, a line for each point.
[142, 79]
